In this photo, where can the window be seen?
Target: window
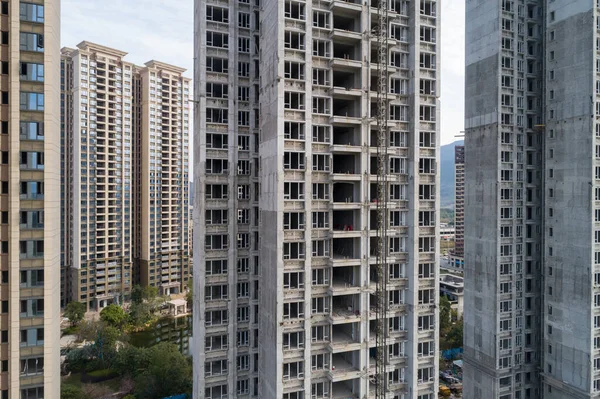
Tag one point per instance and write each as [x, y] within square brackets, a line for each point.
[217, 141]
[294, 40]
[320, 248]
[293, 280]
[217, 90]
[217, 242]
[293, 160]
[294, 70]
[320, 77]
[293, 250]
[31, 42]
[320, 191]
[32, 101]
[219, 65]
[243, 69]
[427, 60]
[321, 19]
[321, 105]
[320, 333]
[321, 134]
[215, 39]
[320, 361]
[32, 72]
[217, 14]
[244, 44]
[293, 310]
[293, 370]
[293, 130]
[321, 48]
[216, 267]
[244, 20]
[293, 190]
[295, 10]
[320, 220]
[321, 162]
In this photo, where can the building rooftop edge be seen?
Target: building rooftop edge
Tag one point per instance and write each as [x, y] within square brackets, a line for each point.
[85, 45]
[164, 65]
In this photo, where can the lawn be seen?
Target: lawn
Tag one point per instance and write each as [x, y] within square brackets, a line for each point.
[113, 385]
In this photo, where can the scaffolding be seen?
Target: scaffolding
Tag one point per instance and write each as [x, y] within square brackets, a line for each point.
[381, 387]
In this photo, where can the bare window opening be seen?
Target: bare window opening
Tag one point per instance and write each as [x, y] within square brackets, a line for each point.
[294, 40]
[293, 160]
[217, 241]
[428, 8]
[427, 61]
[216, 141]
[398, 165]
[427, 87]
[321, 134]
[321, 19]
[215, 39]
[320, 191]
[217, 90]
[217, 166]
[243, 142]
[295, 10]
[216, 191]
[243, 167]
[293, 190]
[293, 221]
[293, 280]
[397, 192]
[399, 32]
[320, 220]
[321, 105]
[399, 86]
[321, 162]
[399, 60]
[320, 77]
[293, 130]
[219, 65]
[216, 216]
[217, 115]
[243, 191]
[427, 165]
[427, 191]
[294, 100]
[293, 250]
[217, 14]
[397, 218]
[398, 139]
[294, 70]
[427, 218]
[321, 48]
[427, 113]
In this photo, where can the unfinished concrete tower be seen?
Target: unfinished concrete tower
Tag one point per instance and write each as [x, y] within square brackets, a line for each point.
[285, 291]
[532, 232]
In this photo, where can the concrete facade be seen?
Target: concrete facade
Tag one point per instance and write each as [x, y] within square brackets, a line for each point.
[310, 242]
[459, 204]
[532, 307]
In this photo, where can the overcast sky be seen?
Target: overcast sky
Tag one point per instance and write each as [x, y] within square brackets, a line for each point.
[163, 30]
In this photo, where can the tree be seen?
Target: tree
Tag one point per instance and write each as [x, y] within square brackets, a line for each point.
[168, 373]
[189, 296]
[68, 391]
[454, 338]
[445, 314]
[75, 312]
[137, 294]
[113, 314]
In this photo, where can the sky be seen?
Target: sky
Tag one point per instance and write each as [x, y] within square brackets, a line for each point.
[163, 30]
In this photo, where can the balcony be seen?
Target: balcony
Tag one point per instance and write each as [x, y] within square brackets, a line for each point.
[345, 366]
[346, 194]
[346, 389]
[346, 165]
[346, 223]
[346, 251]
[346, 138]
[345, 337]
[346, 111]
[345, 309]
[345, 280]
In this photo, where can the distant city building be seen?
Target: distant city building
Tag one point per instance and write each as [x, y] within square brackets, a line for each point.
[452, 287]
[459, 203]
[125, 190]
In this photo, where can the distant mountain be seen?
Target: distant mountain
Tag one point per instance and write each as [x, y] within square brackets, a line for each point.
[447, 174]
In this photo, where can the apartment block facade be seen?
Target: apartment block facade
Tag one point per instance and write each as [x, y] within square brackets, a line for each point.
[286, 134]
[29, 226]
[532, 312]
[124, 191]
[459, 205]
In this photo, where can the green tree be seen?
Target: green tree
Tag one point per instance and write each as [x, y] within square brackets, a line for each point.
[454, 338]
[168, 373]
[114, 315]
[445, 314]
[68, 391]
[75, 312]
[189, 296]
[137, 294]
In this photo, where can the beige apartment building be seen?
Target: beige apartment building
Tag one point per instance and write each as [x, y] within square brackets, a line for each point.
[126, 133]
[29, 239]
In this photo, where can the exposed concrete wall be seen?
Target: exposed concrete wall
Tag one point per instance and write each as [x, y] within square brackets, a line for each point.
[569, 196]
[271, 200]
